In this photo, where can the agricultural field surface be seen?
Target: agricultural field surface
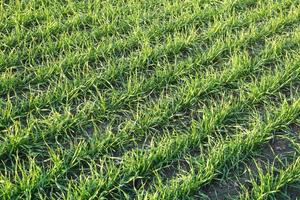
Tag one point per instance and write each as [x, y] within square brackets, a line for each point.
[150, 99]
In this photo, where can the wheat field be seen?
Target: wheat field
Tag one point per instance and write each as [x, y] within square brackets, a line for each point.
[149, 99]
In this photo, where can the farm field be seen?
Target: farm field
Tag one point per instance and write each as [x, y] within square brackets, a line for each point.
[148, 99]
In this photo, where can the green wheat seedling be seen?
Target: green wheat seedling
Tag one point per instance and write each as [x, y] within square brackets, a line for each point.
[148, 99]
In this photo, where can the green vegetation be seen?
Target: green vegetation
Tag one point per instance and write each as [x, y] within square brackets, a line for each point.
[149, 99]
